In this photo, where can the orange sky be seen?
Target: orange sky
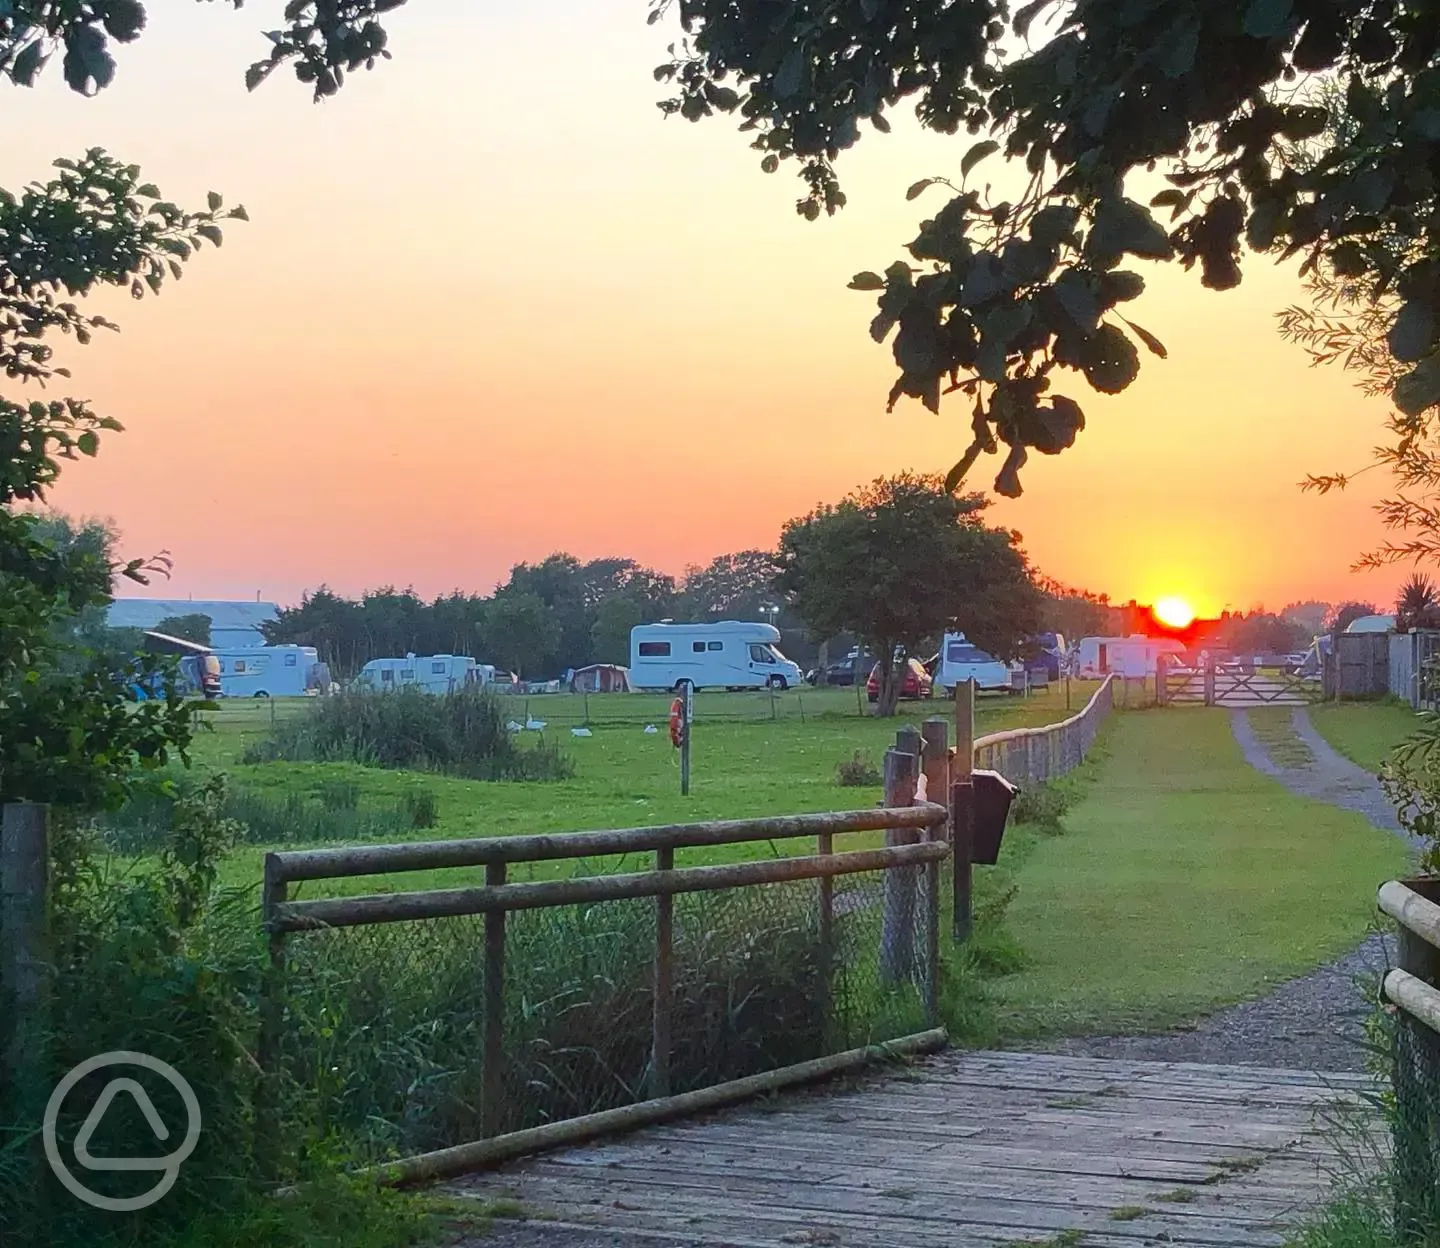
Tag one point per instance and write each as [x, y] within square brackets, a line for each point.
[491, 304]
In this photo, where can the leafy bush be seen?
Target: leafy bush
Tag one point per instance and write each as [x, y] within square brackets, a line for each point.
[1042, 805]
[461, 733]
[857, 772]
[161, 962]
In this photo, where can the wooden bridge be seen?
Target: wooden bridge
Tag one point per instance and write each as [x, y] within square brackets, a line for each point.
[962, 1149]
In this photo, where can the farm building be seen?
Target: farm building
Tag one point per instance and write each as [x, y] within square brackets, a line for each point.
[232, 624]
[600, 678]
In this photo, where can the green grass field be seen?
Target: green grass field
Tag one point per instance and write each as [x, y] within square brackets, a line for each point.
[1184, 881]
[1364, 732]
[744, 764]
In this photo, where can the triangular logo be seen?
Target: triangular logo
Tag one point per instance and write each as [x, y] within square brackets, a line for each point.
[92, 1121]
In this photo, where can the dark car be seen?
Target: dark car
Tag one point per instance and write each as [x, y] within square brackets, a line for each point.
[844, 672]
[915, 681]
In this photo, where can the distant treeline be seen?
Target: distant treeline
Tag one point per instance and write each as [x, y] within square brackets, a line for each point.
[563, 613]
[549, 616]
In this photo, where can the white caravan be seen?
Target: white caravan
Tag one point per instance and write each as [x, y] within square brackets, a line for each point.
[434, 673]
[1125, 656]
[963, 660]
[729, 654]
[271, 671]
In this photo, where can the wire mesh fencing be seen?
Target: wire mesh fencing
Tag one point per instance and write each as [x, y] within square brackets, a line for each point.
[1416, 1130]
[412, 1035]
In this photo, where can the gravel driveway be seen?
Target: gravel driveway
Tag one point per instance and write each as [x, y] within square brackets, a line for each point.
[1311, 1023]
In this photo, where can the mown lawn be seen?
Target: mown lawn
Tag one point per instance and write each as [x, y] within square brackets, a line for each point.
[1184, 881]
[1364, 732]
[744, 764]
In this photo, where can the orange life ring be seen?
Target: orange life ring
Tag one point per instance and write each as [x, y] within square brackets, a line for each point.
[677, 722]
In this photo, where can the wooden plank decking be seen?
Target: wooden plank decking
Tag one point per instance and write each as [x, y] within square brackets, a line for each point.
[970, 1149]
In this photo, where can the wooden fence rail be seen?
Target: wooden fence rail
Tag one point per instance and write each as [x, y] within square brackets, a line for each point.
[1412, 988]
[916, 844]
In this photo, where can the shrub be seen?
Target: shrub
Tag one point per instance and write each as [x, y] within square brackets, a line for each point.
[1042, 806]
[421, 808]
[857, 772]
[162, 962]
[461, 733]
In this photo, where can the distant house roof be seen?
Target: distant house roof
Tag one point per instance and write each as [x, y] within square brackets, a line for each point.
[224, 616]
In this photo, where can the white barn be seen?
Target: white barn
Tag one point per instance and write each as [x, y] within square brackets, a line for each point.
[232, 624]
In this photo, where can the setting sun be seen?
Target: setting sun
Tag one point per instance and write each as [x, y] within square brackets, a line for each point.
[1175, 612]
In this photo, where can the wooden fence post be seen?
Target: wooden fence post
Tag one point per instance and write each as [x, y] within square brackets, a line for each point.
[274, 892]
[25, 953]
[962, 794]
[1210, 680]
[492, 1073]
[664, 992]
[1414, 1081]
[897, 924]
[936, 735]
[825, 845]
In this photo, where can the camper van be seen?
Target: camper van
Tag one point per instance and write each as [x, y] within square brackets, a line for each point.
[959, 660]
[1124, 656]
[271, 671]
[729, 654]
[198, 669]
[434, 673]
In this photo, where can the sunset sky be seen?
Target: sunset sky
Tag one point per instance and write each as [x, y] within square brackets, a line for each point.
[491, 304]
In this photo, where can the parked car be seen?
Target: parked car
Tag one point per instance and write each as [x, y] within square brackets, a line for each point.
[915, 681]
[844, 672]
[959, 660]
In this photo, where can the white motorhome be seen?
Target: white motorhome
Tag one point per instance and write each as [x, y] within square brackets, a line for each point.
[271, 671]
[1124, 656]
[962, 660]
[729, 654]
[434, 673]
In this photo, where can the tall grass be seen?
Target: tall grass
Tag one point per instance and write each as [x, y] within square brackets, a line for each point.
[389, 1021]
[462, 733]
[335, 813]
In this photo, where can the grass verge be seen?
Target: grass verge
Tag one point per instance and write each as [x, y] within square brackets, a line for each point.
[1185, 881]
[1365, 732]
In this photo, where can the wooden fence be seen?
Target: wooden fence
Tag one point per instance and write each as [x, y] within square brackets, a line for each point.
[909, 925]
[1413, 988]
[1035, 755]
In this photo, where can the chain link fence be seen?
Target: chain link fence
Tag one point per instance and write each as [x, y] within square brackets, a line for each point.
[397, 1037]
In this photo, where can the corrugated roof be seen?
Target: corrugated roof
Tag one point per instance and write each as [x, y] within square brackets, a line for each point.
[148, 612]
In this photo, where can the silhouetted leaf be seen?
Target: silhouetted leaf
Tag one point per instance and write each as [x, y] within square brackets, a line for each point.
[1156, 346]
[1413, 331]
[867, 281]
[918, 188]
[986, 147]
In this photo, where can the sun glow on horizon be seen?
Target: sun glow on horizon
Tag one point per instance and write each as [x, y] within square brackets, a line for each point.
[1175, 612]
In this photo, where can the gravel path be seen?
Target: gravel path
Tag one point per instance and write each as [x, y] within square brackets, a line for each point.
[1310, 1023]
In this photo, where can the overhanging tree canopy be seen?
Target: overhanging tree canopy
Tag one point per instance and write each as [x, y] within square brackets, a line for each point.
[999, 299]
